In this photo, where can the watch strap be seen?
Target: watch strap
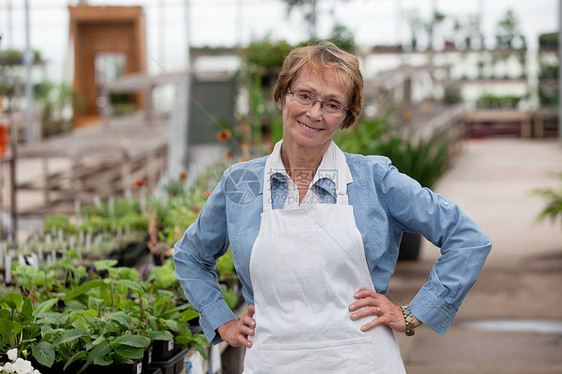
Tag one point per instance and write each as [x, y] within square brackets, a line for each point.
[409, 319]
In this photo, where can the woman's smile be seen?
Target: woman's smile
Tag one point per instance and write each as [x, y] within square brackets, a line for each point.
[309, 128]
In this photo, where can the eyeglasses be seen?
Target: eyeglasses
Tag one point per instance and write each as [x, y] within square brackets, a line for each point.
[307, 100]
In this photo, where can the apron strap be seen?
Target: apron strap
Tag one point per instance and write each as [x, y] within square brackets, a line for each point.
[341, 180]
[267, 173]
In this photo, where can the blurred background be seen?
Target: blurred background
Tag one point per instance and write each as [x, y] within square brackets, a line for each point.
[118, 116]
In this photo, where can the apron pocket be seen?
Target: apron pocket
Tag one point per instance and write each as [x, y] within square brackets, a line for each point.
[318, 358]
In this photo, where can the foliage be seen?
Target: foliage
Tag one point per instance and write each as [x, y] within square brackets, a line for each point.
[266, 52]
[548, 40]
[553, 208]
[548, 95]
[424, 159]
[177, 214]
[490, 101]
[53, 223]
[365, 136]
[309, 10]
[122, 212]
[101, 315]
[12, 57]
[507, 31]
[176, 187]
[56, 102]
[417, 25]
[6, 89]
[548, 71]
[341, 36]
[249, 135]
[466, 29]
[452, 94]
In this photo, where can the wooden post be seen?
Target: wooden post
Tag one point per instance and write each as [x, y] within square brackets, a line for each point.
[559, 70]
[126, 171]
[46, 183]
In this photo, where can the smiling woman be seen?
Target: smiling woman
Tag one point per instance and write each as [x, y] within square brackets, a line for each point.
[316, 240]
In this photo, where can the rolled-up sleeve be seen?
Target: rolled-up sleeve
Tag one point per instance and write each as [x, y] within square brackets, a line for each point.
[464, 246]
[195, 256]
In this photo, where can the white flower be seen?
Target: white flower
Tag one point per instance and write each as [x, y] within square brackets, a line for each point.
[22, 366]
[8, 368]
[13, 354]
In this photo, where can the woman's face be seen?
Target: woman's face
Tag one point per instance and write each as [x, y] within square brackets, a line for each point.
[312, 127]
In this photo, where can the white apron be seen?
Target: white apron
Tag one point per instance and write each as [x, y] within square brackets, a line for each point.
[305, 266]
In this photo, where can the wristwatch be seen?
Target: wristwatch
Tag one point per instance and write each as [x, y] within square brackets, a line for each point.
[409, 319]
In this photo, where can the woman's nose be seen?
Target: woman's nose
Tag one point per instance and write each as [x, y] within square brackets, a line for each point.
[315, 111]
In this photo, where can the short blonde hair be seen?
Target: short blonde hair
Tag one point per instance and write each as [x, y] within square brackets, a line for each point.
[324, 57]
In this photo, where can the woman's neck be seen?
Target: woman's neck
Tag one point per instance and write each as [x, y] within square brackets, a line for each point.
[302, 160]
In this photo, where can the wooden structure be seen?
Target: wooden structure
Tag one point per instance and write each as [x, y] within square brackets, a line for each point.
[92, 162]
[545, 121]
[499, 116]
[102, 29]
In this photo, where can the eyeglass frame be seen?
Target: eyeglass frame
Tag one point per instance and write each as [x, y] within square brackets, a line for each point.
[345, 109]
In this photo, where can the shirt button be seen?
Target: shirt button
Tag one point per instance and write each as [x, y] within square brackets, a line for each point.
[445, 203]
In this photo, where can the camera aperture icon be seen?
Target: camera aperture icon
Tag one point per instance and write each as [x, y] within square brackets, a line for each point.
[242, 186]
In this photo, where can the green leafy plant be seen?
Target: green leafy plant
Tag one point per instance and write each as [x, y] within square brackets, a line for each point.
[491, 101]
[424, 159]
[553, 208]
[548, 40]
[56, 102]
[254, 131]
[266, 52]
[98, 316]
[12, 57]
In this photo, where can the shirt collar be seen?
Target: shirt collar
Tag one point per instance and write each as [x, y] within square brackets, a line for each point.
[332, 166]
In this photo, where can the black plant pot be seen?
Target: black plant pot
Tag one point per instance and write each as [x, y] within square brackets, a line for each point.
[173, 365]
[129, 255]
[135, 368]
[147, 358]
[56, 368]
[163, 349]
[409, 247]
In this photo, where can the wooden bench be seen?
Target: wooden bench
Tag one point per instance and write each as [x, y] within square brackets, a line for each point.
[501, 116]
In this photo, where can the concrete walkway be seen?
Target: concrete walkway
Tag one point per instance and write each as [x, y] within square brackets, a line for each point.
[520, 289]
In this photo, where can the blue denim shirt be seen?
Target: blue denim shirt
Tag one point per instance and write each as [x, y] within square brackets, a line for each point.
[385, 203]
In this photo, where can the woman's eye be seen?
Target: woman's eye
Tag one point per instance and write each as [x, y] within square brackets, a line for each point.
[333, 106]
[306, 97]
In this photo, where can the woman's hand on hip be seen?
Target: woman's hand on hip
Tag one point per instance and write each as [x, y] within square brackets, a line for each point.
[236, 332]
[369, 303]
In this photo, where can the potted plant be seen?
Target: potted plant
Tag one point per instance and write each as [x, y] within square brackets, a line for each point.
[73, 318]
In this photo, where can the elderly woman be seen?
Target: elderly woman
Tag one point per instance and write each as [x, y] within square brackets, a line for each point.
[315, 233]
